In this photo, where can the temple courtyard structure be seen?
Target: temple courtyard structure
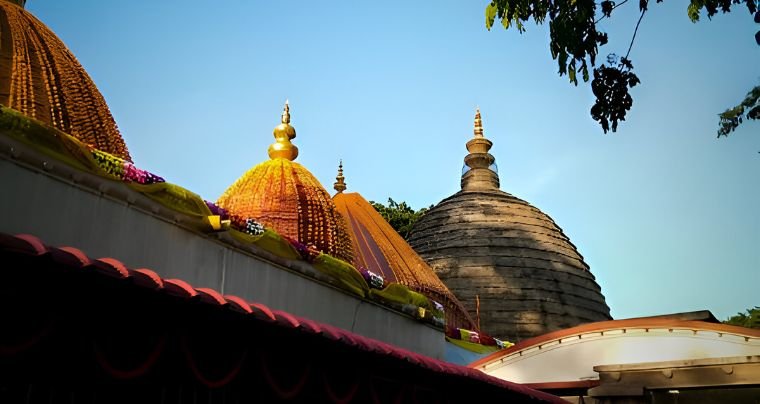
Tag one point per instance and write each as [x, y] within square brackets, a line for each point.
[120, 287]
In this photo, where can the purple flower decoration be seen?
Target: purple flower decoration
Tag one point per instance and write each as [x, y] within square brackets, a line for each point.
[374, 280]
[308, 253]
[216, 210]
[134, 174]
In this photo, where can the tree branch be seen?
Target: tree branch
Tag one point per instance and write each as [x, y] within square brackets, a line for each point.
[635, 31]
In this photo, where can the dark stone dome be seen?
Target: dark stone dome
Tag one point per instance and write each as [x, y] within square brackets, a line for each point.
[529, 277]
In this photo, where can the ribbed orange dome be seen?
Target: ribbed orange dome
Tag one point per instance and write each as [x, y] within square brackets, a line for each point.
[285, 196]
[40, 78]
[379, 248]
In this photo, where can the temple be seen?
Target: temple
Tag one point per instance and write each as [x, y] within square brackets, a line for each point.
[493, 247]
[120, 287]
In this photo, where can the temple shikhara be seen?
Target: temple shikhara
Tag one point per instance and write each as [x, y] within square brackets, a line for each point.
[486, 244]
[120, 287]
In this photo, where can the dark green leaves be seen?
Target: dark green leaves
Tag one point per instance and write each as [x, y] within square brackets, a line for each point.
[713, 6]
[574, 43]
[731, 118]
[610, 87]
[399, 215]
[607, 7]
[749, 320]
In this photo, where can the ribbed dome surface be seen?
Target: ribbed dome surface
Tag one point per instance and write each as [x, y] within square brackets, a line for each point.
[379, 248]
[529, 277]
[40, 78]
[285, 196]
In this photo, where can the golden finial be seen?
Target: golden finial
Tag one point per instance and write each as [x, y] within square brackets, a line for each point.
[286, 112]
[283, 134]
[479, 175]
[478, 123]
[340, 184]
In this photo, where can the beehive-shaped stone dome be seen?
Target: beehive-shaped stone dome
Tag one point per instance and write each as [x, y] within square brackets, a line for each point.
[285, 196]
[488, 245]
[42, 79]
[380, 249]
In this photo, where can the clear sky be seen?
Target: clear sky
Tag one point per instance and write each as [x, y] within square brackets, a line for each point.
[666, 215]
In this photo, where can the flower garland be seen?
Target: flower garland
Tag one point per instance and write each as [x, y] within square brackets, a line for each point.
[476, 337]
[120, 169]
[374, 280]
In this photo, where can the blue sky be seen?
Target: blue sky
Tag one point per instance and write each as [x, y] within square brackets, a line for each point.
[666, 215]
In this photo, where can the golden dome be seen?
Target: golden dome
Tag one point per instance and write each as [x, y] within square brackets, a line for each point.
[283, 134]
[380, 249]
[286, 197]
[40, 78]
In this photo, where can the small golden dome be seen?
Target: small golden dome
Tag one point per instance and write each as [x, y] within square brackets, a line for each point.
[285, 196]
[40, 78]
[283, 134]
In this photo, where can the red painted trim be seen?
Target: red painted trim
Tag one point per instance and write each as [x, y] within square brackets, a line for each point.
[287, 318]
[264, 310]
[633, 323]
[180, 288]
[284, 393]
[112, 267]
[338, 399]
[70, 256]
[310, 325]
[211, 296]
[139, 370]
[28, 244]
[213, 384]
[239, 304]
[147, 279]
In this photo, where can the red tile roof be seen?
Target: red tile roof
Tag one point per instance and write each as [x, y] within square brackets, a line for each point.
[73, 258]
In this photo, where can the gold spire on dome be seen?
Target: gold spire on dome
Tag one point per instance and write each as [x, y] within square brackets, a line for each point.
[479, 175]
[478, 123]
[283, 134]
[340, 184]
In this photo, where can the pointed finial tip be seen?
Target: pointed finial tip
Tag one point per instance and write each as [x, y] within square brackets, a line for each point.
[286, 112]
[478, 123]
[340, 184]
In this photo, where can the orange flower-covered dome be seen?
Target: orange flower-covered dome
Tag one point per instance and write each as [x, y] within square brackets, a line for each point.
[379, 248]
[40, 78]
[285, 196]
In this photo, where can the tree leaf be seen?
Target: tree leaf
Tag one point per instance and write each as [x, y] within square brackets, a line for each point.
[491, 10]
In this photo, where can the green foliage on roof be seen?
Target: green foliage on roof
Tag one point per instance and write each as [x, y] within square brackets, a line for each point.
[750, 320]
[401, 216]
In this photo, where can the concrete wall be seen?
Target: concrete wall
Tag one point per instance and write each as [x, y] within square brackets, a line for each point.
[65, 207]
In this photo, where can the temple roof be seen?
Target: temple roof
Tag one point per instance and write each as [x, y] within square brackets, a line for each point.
[379, 248]
[67, 278]
[489, 246]
[42, 79]
[285, 196]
